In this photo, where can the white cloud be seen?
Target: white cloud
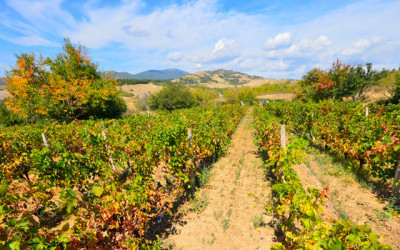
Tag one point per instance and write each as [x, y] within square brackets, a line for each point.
[208, 37]
[175, 56]
[304, 48]
[30, 41]
[136, 31]
[362, 45]
[280, 40]
[224, 51]
[45, 16]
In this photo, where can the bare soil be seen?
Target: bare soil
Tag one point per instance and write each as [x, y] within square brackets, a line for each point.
[354, 201]
[282, 96]
[141, 90]
[3, 94]
[232, 214]
[222, 84]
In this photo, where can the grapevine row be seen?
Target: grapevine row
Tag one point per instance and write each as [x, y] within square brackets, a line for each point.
[299, 211]
[371, 141]
[94, 185]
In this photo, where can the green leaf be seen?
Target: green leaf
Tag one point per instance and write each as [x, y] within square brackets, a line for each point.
[336, 244]
[14, 245]
[98, 190]
[22, 223]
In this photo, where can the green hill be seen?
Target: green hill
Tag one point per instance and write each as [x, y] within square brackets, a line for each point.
[167, 74]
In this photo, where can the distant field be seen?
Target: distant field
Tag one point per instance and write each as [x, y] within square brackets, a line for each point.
[282, 96]
[140, 90]
[3, 94]
[251, 83]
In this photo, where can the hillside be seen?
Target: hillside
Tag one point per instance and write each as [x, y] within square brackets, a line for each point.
[218, 76]
[2, 82]
[119, 75]
[166, 74]
[153, 74]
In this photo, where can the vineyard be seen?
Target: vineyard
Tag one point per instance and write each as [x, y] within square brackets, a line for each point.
[91, 183]
[113, 183]
[301, 223]
[369, 137]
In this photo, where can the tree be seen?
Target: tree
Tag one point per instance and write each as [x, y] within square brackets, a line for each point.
[358, 79]
[246, 94]
[309, 86]
[396, 87]
[172, 96]
[66, 88]
[342, 80]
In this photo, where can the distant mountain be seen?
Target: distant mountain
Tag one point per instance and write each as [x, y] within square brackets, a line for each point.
[120, 75]
[167, 74]
[2, 82]
[217, 76]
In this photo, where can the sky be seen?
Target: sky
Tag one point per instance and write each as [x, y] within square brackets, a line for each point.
[270, 38]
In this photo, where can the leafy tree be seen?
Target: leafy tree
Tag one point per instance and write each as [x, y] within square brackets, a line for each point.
[65, 88]
[337, 76]
[396, 88]
[172, 96]
[342, 80]
[358, 79]
[246, 94]
[308, 86]
[203, 96]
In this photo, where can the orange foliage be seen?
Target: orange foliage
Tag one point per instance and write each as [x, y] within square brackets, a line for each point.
[324, 83]
[64, 91]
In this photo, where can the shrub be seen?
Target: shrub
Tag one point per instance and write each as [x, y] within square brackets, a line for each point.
[8, 117]
[246, 94]
[172, 96]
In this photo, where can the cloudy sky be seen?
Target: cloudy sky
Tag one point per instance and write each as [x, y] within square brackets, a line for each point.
[270, 38]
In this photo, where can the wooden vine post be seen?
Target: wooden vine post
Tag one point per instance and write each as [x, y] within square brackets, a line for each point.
[103, 132]
[45, 141]
[396, 183]
[47, 145]
[283, 136]
[192, 175]
[366, 111]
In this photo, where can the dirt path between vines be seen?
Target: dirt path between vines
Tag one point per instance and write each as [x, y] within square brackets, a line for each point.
[359, 204]
[230, 210]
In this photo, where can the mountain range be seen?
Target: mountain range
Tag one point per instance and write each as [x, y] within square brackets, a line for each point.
[2, 82]
[167, 74]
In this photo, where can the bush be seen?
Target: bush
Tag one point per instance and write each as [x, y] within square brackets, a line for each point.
[172, 96]
[65, 88]
[246, 94]
[203, 96]
[8, 117]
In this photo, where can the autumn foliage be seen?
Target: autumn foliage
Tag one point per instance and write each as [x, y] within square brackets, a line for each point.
[65, 88]
[340, 81]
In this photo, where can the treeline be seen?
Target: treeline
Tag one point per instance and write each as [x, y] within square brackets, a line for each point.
[139, 81]
[275, 88]
[347, 81]
[2, 82]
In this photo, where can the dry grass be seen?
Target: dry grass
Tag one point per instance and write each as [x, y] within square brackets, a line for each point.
[281, 96]
[3, 94]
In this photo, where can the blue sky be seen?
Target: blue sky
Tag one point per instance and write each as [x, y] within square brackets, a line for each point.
[275, 39]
